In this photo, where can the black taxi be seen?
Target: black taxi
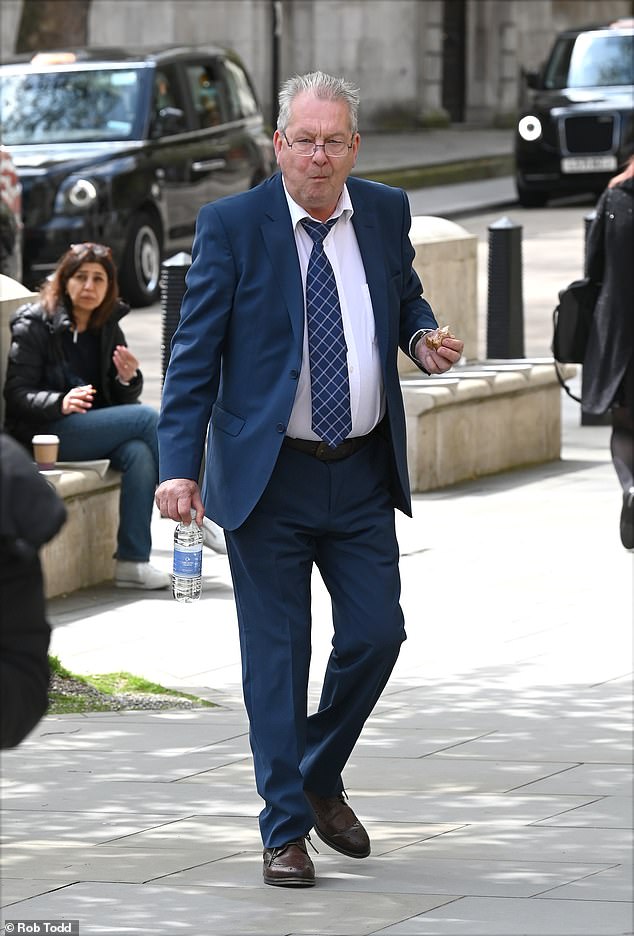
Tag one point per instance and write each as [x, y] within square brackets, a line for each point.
[576, 128]
[123, 146]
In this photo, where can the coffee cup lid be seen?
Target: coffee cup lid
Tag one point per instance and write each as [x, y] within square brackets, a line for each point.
[44, 439]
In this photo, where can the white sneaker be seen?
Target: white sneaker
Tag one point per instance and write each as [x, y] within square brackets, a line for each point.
[140, 575]
[213, 537]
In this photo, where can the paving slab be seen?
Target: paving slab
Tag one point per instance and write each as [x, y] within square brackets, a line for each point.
[134, 865]
[607, 779]
[451, 775]
[151, 910]
[497, 840]
[54, 768]
[609, 812]
[244, 835]
[176, 800]
[568, 740]
[404, 872]
[612, 884]
[485, 916]
[76, 827]
[175, 732]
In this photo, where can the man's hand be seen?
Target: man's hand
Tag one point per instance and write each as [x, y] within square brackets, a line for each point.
[177, 497]
[440, 361]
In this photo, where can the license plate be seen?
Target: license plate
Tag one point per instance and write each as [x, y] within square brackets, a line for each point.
[588, 164]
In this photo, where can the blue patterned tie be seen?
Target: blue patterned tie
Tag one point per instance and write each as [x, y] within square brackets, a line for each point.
[330, 388]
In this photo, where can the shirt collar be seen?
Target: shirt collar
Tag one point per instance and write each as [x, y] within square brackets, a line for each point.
[343, 209]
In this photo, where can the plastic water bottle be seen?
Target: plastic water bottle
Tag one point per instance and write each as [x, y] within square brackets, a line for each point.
[187, 580]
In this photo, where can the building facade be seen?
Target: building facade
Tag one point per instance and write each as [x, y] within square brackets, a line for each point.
[417, 62]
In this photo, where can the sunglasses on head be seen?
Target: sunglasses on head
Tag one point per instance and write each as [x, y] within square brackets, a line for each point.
[99, 250]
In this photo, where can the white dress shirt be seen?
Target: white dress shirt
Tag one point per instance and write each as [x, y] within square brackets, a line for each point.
[367, 396]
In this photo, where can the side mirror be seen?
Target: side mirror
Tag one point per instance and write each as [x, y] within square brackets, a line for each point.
[532, 79]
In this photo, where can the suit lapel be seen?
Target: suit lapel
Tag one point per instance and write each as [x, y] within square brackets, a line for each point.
[366, 228]
[278, 237]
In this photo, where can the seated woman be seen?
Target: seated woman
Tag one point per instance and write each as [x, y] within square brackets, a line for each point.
[71, 373]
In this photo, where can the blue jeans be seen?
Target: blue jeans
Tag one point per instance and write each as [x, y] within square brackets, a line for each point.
[127, 436]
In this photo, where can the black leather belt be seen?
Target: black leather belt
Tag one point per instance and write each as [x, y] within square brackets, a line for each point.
[324, 452]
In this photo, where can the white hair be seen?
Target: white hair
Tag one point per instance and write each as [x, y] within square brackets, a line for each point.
[322, 86]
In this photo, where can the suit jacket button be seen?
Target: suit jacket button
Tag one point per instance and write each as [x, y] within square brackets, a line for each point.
[281, 427]
[294, 374]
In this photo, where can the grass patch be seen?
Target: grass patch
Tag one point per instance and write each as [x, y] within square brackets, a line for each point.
[111, 692]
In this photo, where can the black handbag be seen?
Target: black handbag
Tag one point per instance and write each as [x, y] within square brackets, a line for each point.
[572, 319]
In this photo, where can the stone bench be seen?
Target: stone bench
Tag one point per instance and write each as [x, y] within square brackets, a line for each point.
[483, 418]
[82, 552]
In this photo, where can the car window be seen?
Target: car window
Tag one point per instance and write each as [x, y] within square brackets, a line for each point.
[167, 101]
[209, 94]
[591, 60]
[240, 91]
[92, 105]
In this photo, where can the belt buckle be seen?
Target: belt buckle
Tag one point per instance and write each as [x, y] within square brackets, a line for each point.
[323, 451]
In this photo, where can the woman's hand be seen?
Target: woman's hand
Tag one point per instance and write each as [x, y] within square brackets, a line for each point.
[78, 400]
[126, 363]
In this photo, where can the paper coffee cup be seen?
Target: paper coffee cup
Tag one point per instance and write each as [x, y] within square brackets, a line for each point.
[45, 451]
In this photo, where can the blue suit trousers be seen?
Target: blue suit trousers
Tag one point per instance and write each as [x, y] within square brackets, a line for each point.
[339, 517]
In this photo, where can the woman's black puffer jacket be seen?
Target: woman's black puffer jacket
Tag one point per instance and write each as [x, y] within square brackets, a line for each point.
[37, 374]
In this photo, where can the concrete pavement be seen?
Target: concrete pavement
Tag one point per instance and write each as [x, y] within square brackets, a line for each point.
[494, 776]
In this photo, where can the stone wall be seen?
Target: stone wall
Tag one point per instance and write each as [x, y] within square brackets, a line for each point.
[391, 48]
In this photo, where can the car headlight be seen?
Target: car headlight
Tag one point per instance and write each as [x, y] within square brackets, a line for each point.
[78, 195]
[530, 128]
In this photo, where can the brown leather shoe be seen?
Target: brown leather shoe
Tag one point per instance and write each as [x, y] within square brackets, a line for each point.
[289, 865]
[337, 825]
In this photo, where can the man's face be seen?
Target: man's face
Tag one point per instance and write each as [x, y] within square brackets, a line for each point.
[315, 182]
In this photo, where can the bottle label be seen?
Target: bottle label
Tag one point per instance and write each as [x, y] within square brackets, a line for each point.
[188, 561]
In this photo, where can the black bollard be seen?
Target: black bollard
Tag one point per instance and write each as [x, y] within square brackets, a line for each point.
[505, 309]
[173, 272]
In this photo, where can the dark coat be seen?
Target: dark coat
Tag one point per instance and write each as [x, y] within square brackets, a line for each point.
[610, 254]
[31, 513]
[37, 374]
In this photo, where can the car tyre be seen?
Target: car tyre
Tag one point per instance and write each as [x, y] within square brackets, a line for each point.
[140, 273]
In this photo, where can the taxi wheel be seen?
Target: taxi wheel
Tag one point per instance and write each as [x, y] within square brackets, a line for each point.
[139, 278]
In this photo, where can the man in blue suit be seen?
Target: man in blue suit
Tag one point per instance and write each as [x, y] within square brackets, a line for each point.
[299, 294]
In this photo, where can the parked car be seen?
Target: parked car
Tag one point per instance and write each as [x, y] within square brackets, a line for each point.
[10, 217]
[577, 127]
[122, 147]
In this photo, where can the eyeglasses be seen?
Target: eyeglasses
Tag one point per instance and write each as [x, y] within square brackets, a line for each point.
[99, 250]
[308, 148]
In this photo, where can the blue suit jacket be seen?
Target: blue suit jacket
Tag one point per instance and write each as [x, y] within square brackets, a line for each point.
[237, 351]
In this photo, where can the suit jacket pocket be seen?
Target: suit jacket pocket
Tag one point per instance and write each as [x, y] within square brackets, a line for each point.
[227, 422]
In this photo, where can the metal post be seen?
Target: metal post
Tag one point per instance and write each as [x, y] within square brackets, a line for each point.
[173, 271]
[505, 310]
